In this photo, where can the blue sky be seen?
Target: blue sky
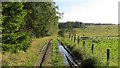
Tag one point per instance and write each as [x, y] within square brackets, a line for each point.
[89, 11]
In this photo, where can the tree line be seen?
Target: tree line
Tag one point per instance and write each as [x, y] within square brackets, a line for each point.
[75, 24]
[23, 21]
[68, 27]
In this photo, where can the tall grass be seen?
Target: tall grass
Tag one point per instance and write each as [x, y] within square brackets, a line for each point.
[57, 59]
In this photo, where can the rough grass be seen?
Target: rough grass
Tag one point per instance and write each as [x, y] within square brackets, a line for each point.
[95, 30]
[100, 50]
[104, 36]
[25, 58]
[57, 59]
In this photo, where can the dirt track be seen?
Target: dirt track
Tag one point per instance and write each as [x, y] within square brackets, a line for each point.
[44, 57]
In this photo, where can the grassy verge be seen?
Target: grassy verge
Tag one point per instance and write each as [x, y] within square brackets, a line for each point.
[57, 59]
[25, 58]
[101, 44]
[103, 37]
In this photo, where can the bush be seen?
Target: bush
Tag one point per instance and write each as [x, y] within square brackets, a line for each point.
[19, 41]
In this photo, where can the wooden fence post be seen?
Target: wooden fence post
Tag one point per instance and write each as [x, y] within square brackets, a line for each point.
[83, 43]
[108, 56]
[84, 46]
[92, 48]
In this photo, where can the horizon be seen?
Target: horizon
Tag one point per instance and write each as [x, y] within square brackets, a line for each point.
[89, 22]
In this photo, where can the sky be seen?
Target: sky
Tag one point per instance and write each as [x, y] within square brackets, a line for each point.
[89, 11]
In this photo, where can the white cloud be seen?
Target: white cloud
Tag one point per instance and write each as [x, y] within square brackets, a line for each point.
[102, 11]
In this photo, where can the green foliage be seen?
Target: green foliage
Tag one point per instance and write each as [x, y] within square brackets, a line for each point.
[61, 32]
[0, 13]
[21, 21]
[75, 24]
[15, 42]
[41, 19]
[13, 16]
[13, 38]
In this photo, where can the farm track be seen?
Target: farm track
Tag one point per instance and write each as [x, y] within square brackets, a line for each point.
[44, 56]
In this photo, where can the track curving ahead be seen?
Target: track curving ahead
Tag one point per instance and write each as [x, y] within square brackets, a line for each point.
[43, 55]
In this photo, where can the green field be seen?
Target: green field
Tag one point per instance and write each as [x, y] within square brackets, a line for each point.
[103, 37]
[97, 35]
[96, 30]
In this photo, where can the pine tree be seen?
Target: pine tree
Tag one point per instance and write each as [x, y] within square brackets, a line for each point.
[21, 21]
[13, 38]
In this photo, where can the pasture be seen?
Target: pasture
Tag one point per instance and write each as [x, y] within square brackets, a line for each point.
[103, 37]
[98, 30]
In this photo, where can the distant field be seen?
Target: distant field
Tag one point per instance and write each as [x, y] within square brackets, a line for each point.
[103, 37]
[98, 30]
